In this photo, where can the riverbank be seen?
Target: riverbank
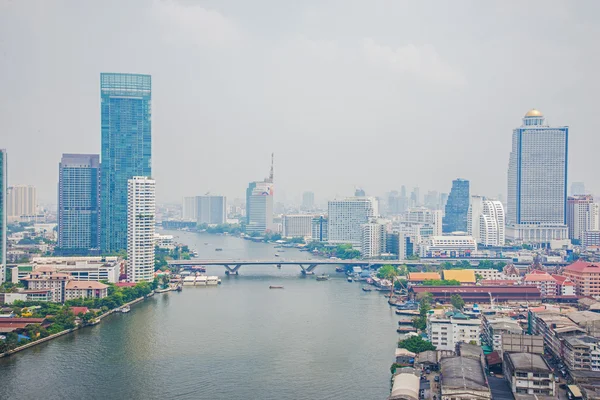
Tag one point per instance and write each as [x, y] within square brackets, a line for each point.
[59, 334]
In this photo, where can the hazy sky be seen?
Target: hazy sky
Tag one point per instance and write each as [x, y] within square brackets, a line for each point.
[346, 93]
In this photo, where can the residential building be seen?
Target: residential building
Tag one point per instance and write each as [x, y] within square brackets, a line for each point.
[407, 246]
[189, 209]
[80, 268]
[297, 225]
[423, 217]
[126, 102]
[211, 210]
[544, 282]
[449, 246]
[346, 217]
[554, 326]
[586, 277]
[445, 332]
[373, 239]
[86, 290]
[528, 374]
[590, 238]
[463, 377]
[308, 200]
[21, 202]
[537, 181]
[79, 203]
[319, 229]
[457, 207]
[488, 273]
[485, 221]
[521, 343]
[582, 353]
[564, 286]
[43, 280]
[582, 215]
[141, 211]
[495, 327]
[3, 214]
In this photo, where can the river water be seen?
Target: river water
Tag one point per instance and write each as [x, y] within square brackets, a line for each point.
[240, 340]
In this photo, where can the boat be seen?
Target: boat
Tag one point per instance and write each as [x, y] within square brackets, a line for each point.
[276, 254]
[125, 309]
[339, 269]
[275, 287]
[366, 289]
[206, 244]
[218, 249]
[350, 279]
[179, 288]
[199, 268]
[212, 280]
[322, 277]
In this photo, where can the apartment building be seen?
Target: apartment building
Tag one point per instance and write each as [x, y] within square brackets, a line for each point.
[528, 374]
[586, 277]
[454, 327]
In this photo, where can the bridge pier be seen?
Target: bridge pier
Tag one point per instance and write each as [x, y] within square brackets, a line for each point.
[232, 271]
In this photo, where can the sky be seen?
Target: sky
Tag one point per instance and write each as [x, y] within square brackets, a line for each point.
[373, 94]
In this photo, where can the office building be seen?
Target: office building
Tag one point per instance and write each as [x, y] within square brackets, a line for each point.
[373, 239]
[79, 203]
[590, 238]
[297, 225]
[537, 182]
[457, 207]
[141, 211]
[308, 200]
[346, 218]
[259, 205]
[21, 202]
[211, 210]
[528, 374]
[189, 208]
[485, 221]
[319, 229]
[126, 149]
[445, 332]
[448, 246]
[582, 215]
[3, 215]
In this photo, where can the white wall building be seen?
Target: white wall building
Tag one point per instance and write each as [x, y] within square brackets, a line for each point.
[141, 213]
[425, 216]
[21, 202]
[346, 218]
[582, 215]
[373, 239]
[259, 207]
[297, 225]
[537, 181]
[485, 221]
[445, 332]
[437, 246]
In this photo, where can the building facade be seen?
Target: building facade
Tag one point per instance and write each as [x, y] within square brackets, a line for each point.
[346, 217]
[211, 210]
[448, 246]
[319, 229]
[79, 202]
[373, 239]
[259, 207]
[446, 332]
[485, 221]
[141, 211]
[537, 181]
[189, 208]
[582, 215]
[126, 101]
[297, 225]
[586, 277]
[3, 215]
[528, 374]
[457, 207]
[21, 202]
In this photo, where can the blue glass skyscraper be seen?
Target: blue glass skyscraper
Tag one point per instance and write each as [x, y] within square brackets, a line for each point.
[126, 149]
[78, 203]
[457, 207]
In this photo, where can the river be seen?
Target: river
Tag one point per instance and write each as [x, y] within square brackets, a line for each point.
[240, 340]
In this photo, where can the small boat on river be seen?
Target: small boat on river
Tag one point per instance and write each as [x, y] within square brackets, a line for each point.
[275, 287]
[366, 289]
[322, 277]
[350, 279]
[218, 249]
[125, 309]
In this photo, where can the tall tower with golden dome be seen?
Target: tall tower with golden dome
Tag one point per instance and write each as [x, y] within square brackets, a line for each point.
[537, 181]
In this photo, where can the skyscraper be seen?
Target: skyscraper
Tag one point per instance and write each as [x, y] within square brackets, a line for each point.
[141, 214]
[346, 218]
[189, 209]
[126, 149]
[21, 202]
[485, 221]
[457, 207]
[259, 205]
[537, 181]
[582, 216]
[79, 203]
[211, 210]
[308, 200]
[3, 178]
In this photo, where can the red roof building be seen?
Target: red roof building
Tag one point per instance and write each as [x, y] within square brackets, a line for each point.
[585, 276]
[543, 280]
[77, 310]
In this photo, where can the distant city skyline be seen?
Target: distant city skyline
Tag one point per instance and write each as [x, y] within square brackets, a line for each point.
[224, 97]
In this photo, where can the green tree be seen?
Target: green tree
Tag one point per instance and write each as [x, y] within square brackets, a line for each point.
[457, 301]
[390, 273]
[439, 282]
[415, 344]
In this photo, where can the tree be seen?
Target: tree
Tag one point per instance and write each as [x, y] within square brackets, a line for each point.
[478, 277]
[415, 344]
[439, 282]
[390, 273]
[457, 301]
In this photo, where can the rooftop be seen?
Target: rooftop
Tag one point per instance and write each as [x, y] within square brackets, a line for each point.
[406, 385]
[580, 317]
[85, 285]
[534, 113]
[423, 276]
[582, 266]
[463, 373]
[528, 362]
[461, 275]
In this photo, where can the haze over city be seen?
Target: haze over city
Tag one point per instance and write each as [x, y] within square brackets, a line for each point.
[345, 93]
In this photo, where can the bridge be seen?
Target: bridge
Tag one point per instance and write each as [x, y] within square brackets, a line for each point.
[232, 266]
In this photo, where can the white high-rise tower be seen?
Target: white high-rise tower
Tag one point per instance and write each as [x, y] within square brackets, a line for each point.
[141, 212]
[537, 181]
[485, 221]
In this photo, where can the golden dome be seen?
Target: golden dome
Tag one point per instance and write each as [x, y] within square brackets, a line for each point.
[534, 113]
